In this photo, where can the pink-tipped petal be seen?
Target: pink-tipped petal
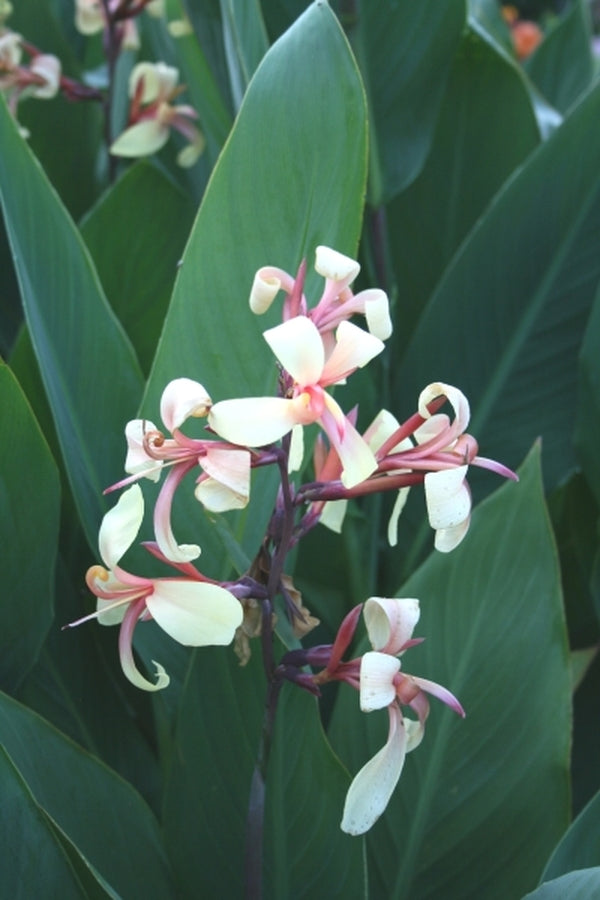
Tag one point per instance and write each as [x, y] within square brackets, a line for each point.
[377, 671]
[356, 457]
[195, 613]
[179, 553]
[132, 673]
[390, 622]
[181, 399]
[441, 693]
[255, 421]
[120, 526]
[298, 346]
[335, 266]
[372, 787]
[354, 348]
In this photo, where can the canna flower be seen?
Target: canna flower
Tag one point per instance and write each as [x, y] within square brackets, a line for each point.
[193, 612]
[91, 17]
[390, 624]
[299, 348]
[152, 87]
[337, 302]
[225, 479]
[40, 78]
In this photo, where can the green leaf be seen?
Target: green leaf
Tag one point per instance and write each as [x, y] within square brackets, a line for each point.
[581, 885]
[405, 50]
[89, 371]
[587, 435]
[31, 854]
[271, 200]
[479, 790]
[136, 235]
[100, 814]
[513, 304]
[562, 67]
[245, 41]
[485, 95]
[579, 847]
[306, 853]
[29, 521]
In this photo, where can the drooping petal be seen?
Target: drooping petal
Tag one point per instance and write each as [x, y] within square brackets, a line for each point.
[47, 67]
[390, 622]
[111, 612]
[296, 454]
[180, 553]
[333, 514]
[137, 461]
[376, 308]
[354, 348]
[181, 399]
[229, 484]
[335, 266]
[357, 458]
[442, 693]
[298, 346]
[120, 526]
[377, 671]
[255, 421]
[372, 787]
[142, 139]
[195, 613]
[265, 287]
[132, 673]
[399, 504]
[448, 502]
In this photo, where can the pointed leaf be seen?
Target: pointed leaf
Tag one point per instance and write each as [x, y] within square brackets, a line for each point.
[580, 885]
[29, 521]
[579, 847]
[89, 371]
[492, 615]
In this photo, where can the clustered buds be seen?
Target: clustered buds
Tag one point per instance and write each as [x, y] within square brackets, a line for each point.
[317, 347]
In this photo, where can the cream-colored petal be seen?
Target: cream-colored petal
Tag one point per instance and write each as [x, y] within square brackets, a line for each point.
[133, 674]
[354, 348]
[298, 346]
[188, 156]
[296, 454]
[142, 139]
[181, 399]
[229, 484]
[446, 539]
[356, 457]
[377, 312]
[377, 671]
[254, 421]
[455, 397]
[194, 613]
[158, 80]
[265, 288]
[335, 266]
[390, 622]
[448, 500]
[120, 526]
[399, 504]
[372, 787]
[48, 67]
[383, 427]
[137, 460]
[110, 612]
[333, 514]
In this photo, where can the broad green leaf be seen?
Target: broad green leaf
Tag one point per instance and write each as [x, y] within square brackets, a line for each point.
[405, 50]
[136, 235]
[89, 371]
[579, 847]
[306, 853]
[486, 128]
[587, 435]
[208, 782]
[581, 885]
[513, 304]
[562, 67]
[29, 520]
[245, 41]
[271, 200]
[31, 854]
[101, 814]
[479, 790]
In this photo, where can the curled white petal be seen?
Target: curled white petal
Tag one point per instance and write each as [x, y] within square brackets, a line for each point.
[265, 288]
[390, 622]
[298, 346]
[120, 526]
[335, 266]
[181, 399]
[137, 461]
[455, 397]
[133, 675]
[377, 312]
[47, 67]
[448, 500]
[195, 614]
[372, 787]
[159, 80]
[377, 671]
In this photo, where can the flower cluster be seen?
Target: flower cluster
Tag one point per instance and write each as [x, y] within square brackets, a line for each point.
[317, 347]
[92, 16]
